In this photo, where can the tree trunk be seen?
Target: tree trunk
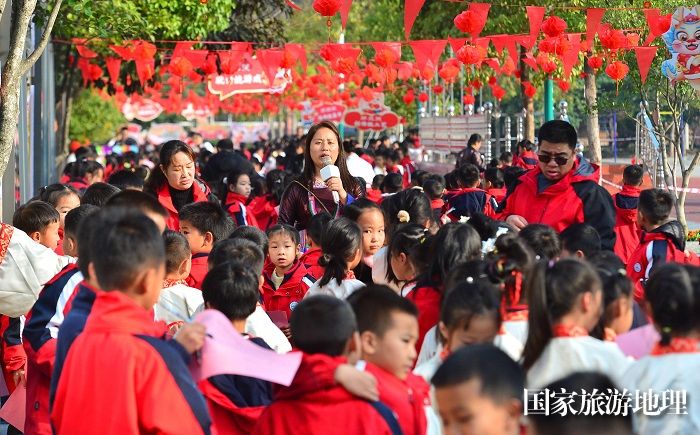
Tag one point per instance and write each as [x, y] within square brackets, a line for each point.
[528, 102]
[593, 128]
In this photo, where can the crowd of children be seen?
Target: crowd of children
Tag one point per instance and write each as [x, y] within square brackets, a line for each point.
[417, 307]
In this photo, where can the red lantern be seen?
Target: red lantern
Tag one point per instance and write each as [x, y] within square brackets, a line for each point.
[553, 26]
[423, 97]
[428, 72]
[471, 54]
[529, 90]
[508, 66]
[547, 45]
[409, 97]
[546, 64]
[449, 72]
[595, 62]
[617, 70]
[498, 92]
[476, 84]
[492, 80]
[563, 85]
[470, 22]
[438, 89]
[386, 57]
[469, 99]
[327, 8]
[612, 39]
[180, 67]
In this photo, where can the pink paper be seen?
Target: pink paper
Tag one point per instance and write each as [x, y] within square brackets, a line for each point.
[226, 352]
[639, 341]
[14, 411]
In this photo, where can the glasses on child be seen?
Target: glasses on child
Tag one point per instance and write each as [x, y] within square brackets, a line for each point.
[559, 159]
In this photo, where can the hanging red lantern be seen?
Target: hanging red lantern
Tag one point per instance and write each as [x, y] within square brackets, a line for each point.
[423, 97]
[385, 57]
[547, 45]
[476, 84]
[498, 92]
[469, 99]
[529, 90]
[471, 54]
[508, 67]
[409, 97]
[470, 22]
[428, 72]
[327, 8]
[612, 39]
[553, 26]
[180, 66]
[563, 85]
[595, 62]
[617, 71]
[438, 89]
[546, 64]
[448, 72]
[492, 80]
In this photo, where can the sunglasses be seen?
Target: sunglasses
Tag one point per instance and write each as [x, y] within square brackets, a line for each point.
[558, 159]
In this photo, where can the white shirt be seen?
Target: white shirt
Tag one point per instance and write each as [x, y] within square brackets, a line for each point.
[359, 167]
[259, 324]
[517, 329]
[566, 355]
[333, 288]
[380, 268]
[178, 303]
[510, 345]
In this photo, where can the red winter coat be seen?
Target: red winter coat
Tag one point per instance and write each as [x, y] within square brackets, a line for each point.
[427, 299]
[527, 160]
[296, 283]
[406, 398]
[665, 244]
[199, 270]
[201, 193]
[310, 261]
[374, 195]
[497, 193]
[265, 210]
[40, 336]
[120, 379]
[467, 202]
[308, 407]
[576, 198]
[13, 356]
[626, 228]
[241, 215]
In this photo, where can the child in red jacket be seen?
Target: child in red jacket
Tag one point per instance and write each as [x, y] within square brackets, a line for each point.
[495, 185]
[324, 326]
[435, 189]
[236, 196]
[375, 193]
[203, 224]
[469, 199]
[663, 240]
[317, 225]
[388, 326]
[286, 278]
[626, 228]
[120, 350]
[265, 208]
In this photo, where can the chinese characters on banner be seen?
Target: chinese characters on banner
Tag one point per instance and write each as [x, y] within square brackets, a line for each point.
[249, 79]
[372, 115]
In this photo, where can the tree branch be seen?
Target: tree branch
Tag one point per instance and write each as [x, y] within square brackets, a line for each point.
[27, 63]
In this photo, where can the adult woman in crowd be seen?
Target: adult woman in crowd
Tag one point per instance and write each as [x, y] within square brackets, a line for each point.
[174, 182]
[309, 194]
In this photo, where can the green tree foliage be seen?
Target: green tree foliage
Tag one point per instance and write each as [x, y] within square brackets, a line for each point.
[94, 118]
[261, 21]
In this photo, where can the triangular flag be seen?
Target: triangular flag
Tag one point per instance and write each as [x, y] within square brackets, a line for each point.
[593, 18]
[524, 41]
[411, 10]
[530, 61]
[658, 24]
[499, 42]
[395, 47]
[113, 65]
[482, 42]
[535, 15]
[270, 60]
[482, 9]
[571, 56]
[511, 45]
[645, 57]
[299, 52]
[456, 43]
[428, 50]
[344, 12]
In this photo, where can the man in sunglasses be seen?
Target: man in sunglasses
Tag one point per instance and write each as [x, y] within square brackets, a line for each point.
[562, 190]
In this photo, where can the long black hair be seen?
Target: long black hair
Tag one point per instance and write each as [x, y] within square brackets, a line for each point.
[673, 291]
[275, 181]
[616, 285]
[414, 241]
[339, 244]
[453, 245]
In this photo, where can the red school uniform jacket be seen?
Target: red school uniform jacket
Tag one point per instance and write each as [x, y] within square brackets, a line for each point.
[406, 398]
[427, 299]
[527, 160]
[13, 356]
[296, 283]
[236, 208]
[199, 270]
[497, 193]
[626, 228]
[40, 336]
[265, 210]
[467, 202]
[309, 407]
[200, 191]
[374, 195]
[120, 379]
[310, 261]
[576, 198]
[665, 244]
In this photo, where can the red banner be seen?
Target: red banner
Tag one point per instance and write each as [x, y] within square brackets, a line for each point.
[248, 79]
[323, 112]
[144, 110]
[372, 115]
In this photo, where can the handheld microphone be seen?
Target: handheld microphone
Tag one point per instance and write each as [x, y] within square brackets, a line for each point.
[329, 170]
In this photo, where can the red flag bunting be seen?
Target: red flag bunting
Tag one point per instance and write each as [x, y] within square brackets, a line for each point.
[270, 60]
[645, 57]
[511, 45]
[113, 65]
[499, 42]
[456, 43]
[593, 18]
[299, 52]
[658, 24]
[530, 61]
[535, 15]
[427, 51]
[570, 58]
[412, 8]
[344, 12]
[483, 10]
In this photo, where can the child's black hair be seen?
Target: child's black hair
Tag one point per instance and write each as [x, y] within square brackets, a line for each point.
[238, 249]
[506, 157]
[474, 138]
[257, 186]
[136, 199]
[317, 225]
[495, 177]
[128, 242]
[374, 305]
[377, 181]
[655, 205]
[339, 244]
[359, 206]
[35, 216]
[54, 192]
[433, 188]
[581, 237]
[230, 181]
[232, 288]
[83, 167]
[616, 285]
[412, 201]
[127, 179]
[633, 175]
[75, 217]
[413, 241]
[284, 229]
[499, 377]
[86, 228]
[254, 234]
[420, 177]
[475, 295]
[392, 183]
[673, 291]
[558, 131]
[322, 324]
[468, 175]
[552, 292]
[98, 194]
[452, 180]
[511, 175]
[618, 423]
[543, 240]
[453, 245]
[208, 217]
[177, 250]
[527, 144]
[275, 180]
